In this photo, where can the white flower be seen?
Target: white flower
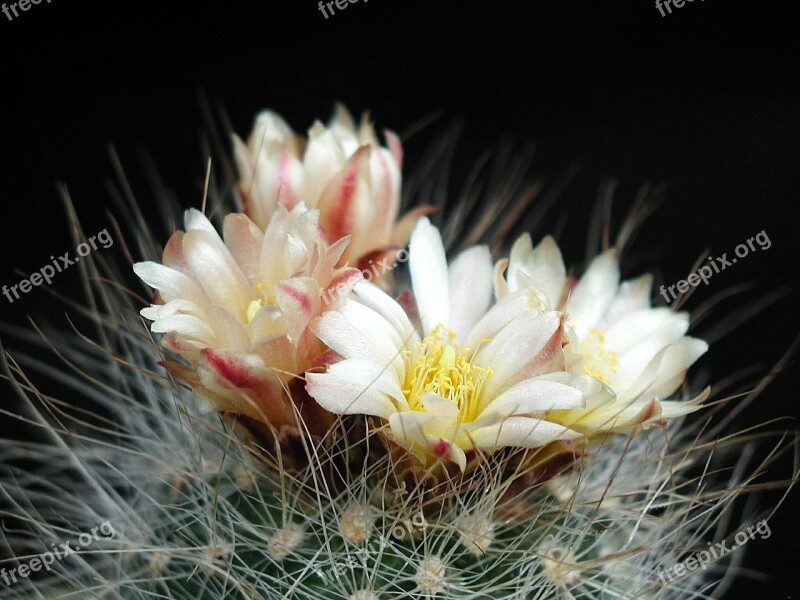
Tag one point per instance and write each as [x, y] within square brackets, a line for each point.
[615, 335]
[237, 307]
[473, 378]
[342, 170]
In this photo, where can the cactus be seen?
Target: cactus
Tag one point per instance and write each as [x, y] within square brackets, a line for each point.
[217, 505]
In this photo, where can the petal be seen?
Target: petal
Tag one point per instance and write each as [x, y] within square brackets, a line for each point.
[539, 394]
[429, 275]
[409, 426]
[523, 347]
[395, 146]
[298, 299]
[671, 409]
[269, 128]
[594, 293]
[429, 432]
[634, 360]
[218, 274]
[666, 371]
[346, 205]
[160, 311]
[543, 266]
[272, 262]
[228, 330]
[643, 325]
[610, 417]
[340, 285]
[323, 159]
[500, 284]
[243, 238]
[344, 127]
[521, 432]
[500, 315]
[350, 340]
[187, 326]
[385, 183]
[356, 386]
[194, 220]
[172, 256]
[439, 407]
[244, 383]
[633, 295]
[470, 283]
[374, 324]
[171, 284]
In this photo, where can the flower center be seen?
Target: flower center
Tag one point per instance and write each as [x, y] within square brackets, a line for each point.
[439, 367]
[598, 361]
[256, 304]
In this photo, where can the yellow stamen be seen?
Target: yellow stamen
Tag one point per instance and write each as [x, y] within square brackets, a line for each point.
[256, 304]
[439, 367]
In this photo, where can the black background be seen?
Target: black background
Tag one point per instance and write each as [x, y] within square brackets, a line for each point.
[705, 100]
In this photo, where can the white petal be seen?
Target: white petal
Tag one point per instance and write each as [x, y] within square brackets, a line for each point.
[373, 297]
[374, 325]
[269, 128]
[193, 219]
[440, 407]
[538, 394]
[218, 274]
[521, 432]
[228, 330]
[501, 289]
[633, 295]
[173, 307]
[643, 325]
[185, 325]
[409, 426]
[615, 417]
[543, 266]
[243, 238]
[298, 299]
[635, 359]
[429, 276]
[385, 178]
[171, 284]
[351, 341]
[666, 371]
[470, 283]
[323, 159]
[427, 431]
[673, 409]
[594, 293]
[523, 342]
[356, 386]
[500, 315]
